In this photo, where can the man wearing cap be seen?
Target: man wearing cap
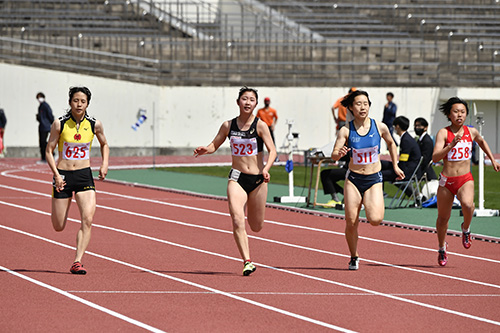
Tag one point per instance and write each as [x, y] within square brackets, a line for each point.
[268, 115]
[341, 117]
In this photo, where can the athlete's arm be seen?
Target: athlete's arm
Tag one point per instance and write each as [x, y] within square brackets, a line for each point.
[99, 132]
[485, 147]
[263, 132]
[216, 142]
[55, 131]
[391, 146]
[440, 148]
[340, 149]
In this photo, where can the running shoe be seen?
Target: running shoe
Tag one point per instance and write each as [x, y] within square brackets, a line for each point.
[442, 256]
[248, 268]
[77, 268]
[354, 264]
[466, 240]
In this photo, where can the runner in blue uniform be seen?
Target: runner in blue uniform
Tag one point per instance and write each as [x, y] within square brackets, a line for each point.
[248, 178]
[363, 184]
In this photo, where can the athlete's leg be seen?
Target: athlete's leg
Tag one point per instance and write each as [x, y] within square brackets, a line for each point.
[466, 197]
[444, 205]
[352, 201]
[237, 199]
[86, 201]
[59, 216]
[256, 207]
[373, 199]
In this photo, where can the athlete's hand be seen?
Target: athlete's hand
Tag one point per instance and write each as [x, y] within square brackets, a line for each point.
[400, 173]
[59, 183]
[495, 165]
[343, 151]
[456, 140]
[267, 176]
[103, 172]
[200, 151]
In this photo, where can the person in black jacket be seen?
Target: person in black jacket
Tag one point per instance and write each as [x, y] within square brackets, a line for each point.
[45, 119]
[426, 148]
[409, 153]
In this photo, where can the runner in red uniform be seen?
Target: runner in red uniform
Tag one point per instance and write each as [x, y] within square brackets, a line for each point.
[454, 147]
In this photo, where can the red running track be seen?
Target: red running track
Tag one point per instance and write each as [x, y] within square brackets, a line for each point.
[163, 261]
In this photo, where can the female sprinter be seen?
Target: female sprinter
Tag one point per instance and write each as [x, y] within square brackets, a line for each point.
[248, 178]
[363, 184]
[454, 147]
[73, 134]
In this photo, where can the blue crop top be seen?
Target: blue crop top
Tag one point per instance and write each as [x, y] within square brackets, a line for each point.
[366, 148]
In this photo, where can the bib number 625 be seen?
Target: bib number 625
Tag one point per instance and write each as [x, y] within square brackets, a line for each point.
[76, 151]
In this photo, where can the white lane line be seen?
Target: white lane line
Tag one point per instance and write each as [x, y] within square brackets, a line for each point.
[292, 225]
[190, 283]
[7, 174]
[83, 301]
[270, 293]
[150, 217]
[425, 305]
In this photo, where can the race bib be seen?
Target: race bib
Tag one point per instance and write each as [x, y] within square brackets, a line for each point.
[462, 151]
[243, 147]
[76, 151]
[365, 155]
[442, 180]
[234, 175]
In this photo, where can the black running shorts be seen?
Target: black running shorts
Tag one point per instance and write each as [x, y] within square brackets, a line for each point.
[76, 181]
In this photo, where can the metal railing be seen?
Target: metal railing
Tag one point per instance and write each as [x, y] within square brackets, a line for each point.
[148, 41]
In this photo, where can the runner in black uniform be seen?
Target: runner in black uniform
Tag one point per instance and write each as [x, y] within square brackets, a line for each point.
[247, 185]
[240, 140]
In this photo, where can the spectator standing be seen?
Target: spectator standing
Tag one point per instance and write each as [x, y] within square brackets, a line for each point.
[268, 115]
[426, 146]
[3, 122]
[341, 116]
[390, 110]
[45, 119]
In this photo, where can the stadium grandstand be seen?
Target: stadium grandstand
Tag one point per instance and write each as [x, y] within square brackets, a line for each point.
[405, 43]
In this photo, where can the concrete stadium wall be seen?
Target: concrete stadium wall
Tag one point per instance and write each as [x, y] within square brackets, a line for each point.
[186, 117]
